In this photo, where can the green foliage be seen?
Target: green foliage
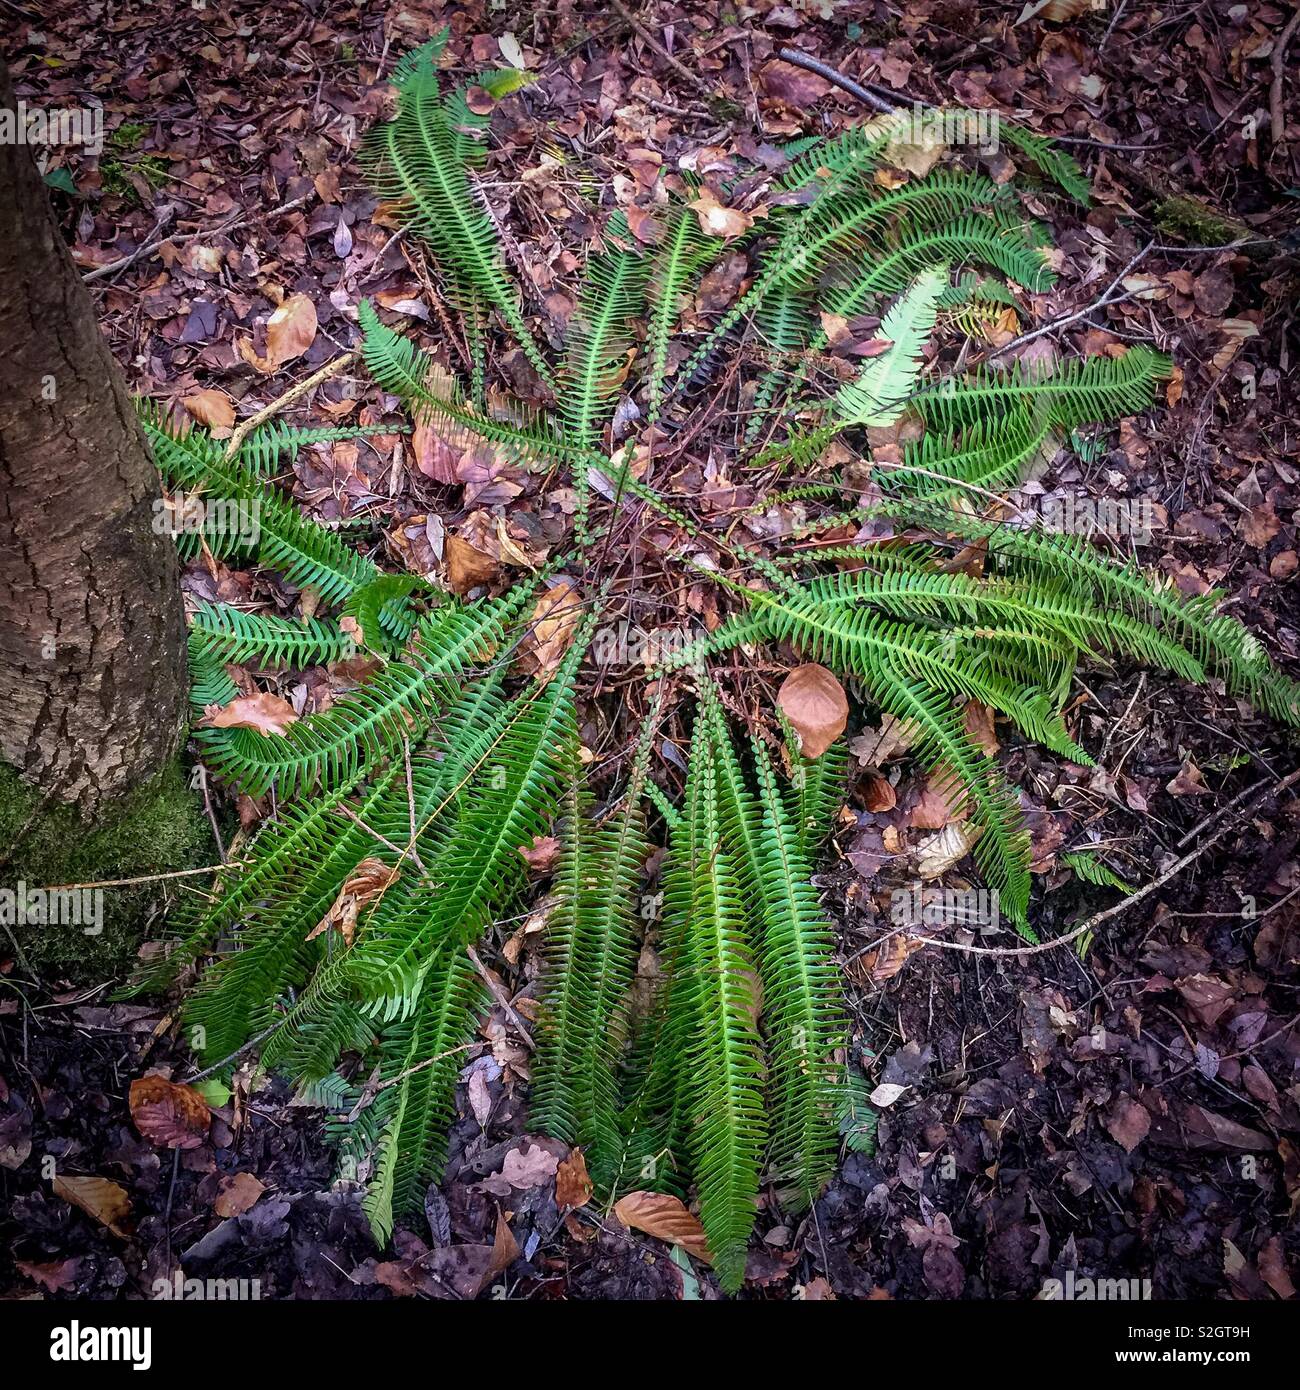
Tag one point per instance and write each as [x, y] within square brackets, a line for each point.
[446, 762]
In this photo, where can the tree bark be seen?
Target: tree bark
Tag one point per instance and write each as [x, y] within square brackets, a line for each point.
[92, 634]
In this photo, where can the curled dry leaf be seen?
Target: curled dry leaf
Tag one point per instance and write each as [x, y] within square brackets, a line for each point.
[940, 851]
[573, 1186]
[290, 331]
[467, 567]
[715, 220]
[100, 1199]
[815, 704]
[555, 621]
[660, 1214]
[169, 1113]
[367, 881]
[540, 855]
[267, 713]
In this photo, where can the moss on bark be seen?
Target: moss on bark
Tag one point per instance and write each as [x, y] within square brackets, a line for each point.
[159, 828]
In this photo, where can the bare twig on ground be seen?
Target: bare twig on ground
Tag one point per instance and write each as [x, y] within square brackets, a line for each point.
[502, 998]
[246, 427]
[650, 41]
[837, 78]
[1125, 903]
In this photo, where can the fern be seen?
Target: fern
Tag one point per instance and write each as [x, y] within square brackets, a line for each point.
[447, 758]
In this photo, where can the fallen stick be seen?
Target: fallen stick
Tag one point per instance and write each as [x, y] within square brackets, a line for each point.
[246, 427]
[1276, 112]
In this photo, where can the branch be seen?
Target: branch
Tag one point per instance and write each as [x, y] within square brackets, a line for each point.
[246, 427]
[846, 84]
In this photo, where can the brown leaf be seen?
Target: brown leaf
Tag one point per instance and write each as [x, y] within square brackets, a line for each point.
[1272, 1268]
[100, 1199]
[554, 623]
[573, 1187]
[55, 1276]
[290, 331]
[878, 792]
[236, 1194]
[365, 882]
[467, 567]
[505, 1249]
[212, 408]
[815, 704]
[1188, 782]
[267, 713]
[715, 220]
[660, 1214]
[1128, 1122]
[883, 962]
[540, 855]
[169, 1113]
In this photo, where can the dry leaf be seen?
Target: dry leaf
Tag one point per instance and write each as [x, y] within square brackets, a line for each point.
[54, 1276]
[505, 1249]
[883, 962]
[267, 713]
[467, 567]
[236, 1194]
[290, 331]
[813, 700]
[366, 881]
[944, 848]
[1128, 1122]
[573, 1187]
[540, 855]
[660, 1214]
[212, 408]
[715, 220]
[169, 1113]
[554, 623]
[100, 1199]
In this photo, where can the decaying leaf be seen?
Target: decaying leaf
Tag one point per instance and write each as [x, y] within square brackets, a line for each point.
[101, 1200]
[169, 1113]
[365, 882]
[573, 1187]
[290, 331]
[554, 624]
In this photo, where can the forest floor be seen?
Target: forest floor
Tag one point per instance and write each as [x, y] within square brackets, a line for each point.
[1127, 1106]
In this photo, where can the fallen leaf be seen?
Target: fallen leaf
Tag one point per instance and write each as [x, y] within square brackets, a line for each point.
[540, 855]
[364, 883]
[1188, 782]
[212, 408]
[886, 1094]
[716, 220]
[1127, 1122]
[573, 1187]
[813, 700]
[467, 567]
[169, 1113]
[665, 1216]
[55, 1276]
[267, 713]
[290, 331]
[100, 1199]
[505, 1249]
[554, 624]
[944, 848]
[236, 1194]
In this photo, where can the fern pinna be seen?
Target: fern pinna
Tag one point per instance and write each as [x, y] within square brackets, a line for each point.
[428, 778]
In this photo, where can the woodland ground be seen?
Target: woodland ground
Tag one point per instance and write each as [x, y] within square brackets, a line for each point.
[1133, 1111]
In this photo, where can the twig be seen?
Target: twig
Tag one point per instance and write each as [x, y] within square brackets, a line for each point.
[649, 39]
[212, 815]
[847, 84]
[1276, 111]
[220, 230]
[246, 427]
[370, 1091]
[370, 830]
[1107, 297]
[238, 1052]
[152, 244]
[502, 998]
[1099, 917]
[148, 878]
[1114, 20]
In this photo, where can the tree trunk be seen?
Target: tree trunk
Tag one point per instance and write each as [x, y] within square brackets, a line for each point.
[92, 642]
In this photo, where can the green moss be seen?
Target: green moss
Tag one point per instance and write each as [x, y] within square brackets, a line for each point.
[114, 175]
[157, 829]
[129, 136]
[1196, 223]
